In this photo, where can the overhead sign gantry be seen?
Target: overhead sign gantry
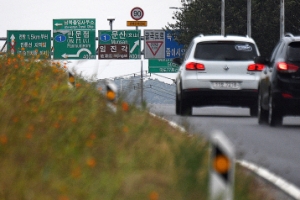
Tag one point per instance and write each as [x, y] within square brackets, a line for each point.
[76, 39]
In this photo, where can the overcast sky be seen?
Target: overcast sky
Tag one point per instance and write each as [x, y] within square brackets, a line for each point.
[39, 15]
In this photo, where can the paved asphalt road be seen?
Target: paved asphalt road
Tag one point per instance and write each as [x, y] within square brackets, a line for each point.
[274, 148]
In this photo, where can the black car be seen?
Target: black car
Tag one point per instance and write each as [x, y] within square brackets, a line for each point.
[279, 85]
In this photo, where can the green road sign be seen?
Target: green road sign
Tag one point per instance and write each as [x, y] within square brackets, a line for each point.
[29, 43]
[162, 66]
[130, 37]
[74, 39]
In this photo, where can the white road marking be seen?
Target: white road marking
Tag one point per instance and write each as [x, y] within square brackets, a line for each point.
[282, 184]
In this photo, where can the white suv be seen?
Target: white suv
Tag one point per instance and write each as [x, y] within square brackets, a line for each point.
[218, 70]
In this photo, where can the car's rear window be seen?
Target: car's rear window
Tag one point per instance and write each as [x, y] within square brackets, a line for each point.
[225, 50]
[293, 53]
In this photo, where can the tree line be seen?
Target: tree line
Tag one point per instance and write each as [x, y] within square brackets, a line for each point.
[204, 17]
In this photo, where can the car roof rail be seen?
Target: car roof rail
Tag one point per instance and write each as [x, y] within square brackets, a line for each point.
[289, 35]
[201, 35]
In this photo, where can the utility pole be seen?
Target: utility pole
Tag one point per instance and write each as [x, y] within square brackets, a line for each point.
[223, 18]
[281, 18]
[249, 18]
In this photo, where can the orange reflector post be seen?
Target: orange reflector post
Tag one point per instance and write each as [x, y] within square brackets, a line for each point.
[222, 167]
[71, 79]
[111, 91]
[110, 95]
[221, 164]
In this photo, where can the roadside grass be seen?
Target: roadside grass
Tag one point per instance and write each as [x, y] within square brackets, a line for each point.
[64, 143]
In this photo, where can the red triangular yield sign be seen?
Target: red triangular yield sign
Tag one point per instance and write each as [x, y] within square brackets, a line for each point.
[154, 46]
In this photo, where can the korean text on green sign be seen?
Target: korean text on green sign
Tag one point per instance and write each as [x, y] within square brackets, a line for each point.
[74, 38]
[29, 43]
[162, 66]
[130, 37]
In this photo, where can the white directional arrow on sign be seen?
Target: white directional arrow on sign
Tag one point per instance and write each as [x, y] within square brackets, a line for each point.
[58, 24]
[12, 38]
[136, 43]
[76, 55]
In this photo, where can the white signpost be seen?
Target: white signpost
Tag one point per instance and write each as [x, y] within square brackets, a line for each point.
[222, 167]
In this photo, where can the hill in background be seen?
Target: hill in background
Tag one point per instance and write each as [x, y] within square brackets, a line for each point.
[154, 90]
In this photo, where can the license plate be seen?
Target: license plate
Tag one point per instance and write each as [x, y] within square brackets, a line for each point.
[226, 85]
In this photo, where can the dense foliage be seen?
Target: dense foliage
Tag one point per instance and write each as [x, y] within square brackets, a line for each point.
[61, 142]
[204, 17]
[64, 142]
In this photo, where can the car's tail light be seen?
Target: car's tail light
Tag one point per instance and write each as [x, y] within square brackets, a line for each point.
[287, 95]
[194, 66]
[286, 67]
[255, 67]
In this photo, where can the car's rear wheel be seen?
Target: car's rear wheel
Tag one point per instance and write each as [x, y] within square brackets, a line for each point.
[184, 106]
[262, 113]
[253, 111]
[177, 104]
[275, 116]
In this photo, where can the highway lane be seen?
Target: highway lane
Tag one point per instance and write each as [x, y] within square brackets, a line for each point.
[274, 148]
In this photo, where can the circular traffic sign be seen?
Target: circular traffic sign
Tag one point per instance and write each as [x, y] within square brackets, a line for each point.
[137, 13]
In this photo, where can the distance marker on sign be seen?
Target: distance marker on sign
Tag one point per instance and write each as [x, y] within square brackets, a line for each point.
[162, 66]
[29, 43]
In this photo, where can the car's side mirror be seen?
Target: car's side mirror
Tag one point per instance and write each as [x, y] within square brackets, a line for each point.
[177, 61]
[261, 60]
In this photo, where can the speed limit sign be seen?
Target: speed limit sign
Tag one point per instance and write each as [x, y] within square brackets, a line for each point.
[137, 13]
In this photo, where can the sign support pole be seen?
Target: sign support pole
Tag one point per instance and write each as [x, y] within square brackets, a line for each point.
[282, 29]
[249, 18]
[142, 82]
[223, 18]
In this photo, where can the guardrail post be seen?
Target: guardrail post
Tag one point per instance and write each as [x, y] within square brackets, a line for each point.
[71, 80]
[222, 167]
[111, 94]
